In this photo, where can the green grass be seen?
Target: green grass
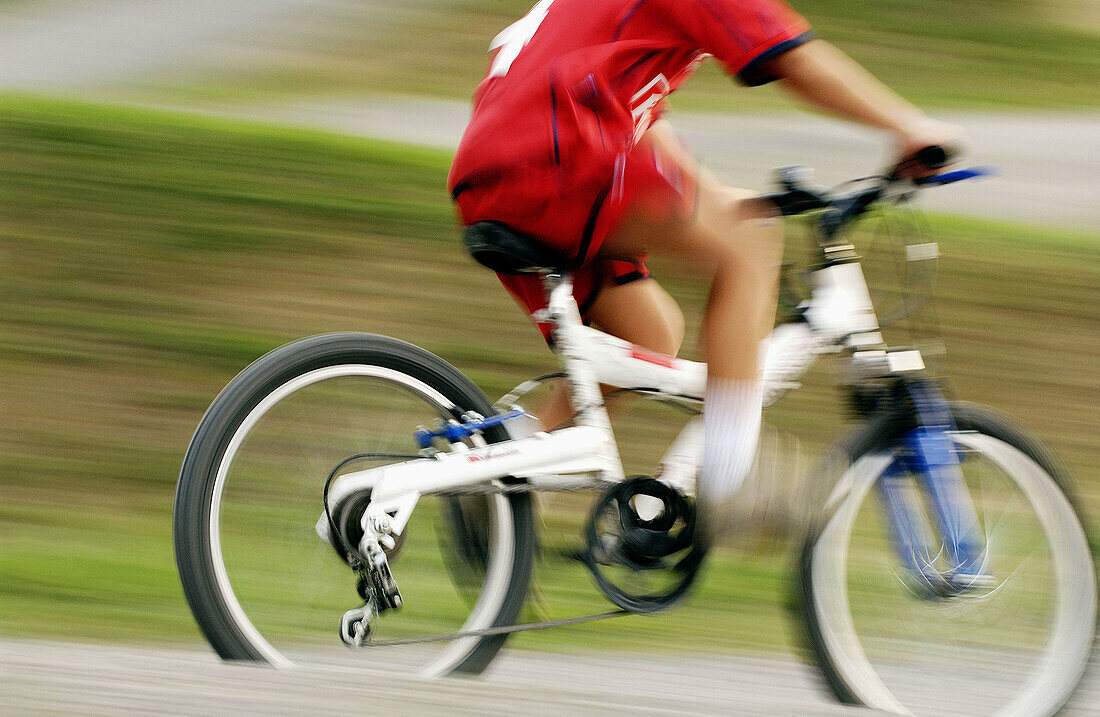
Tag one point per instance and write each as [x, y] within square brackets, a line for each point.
[999, 54]
[145, 258]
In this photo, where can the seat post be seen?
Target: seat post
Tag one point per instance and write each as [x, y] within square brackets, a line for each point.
[571, 344]
[550, 281]
[560, 306]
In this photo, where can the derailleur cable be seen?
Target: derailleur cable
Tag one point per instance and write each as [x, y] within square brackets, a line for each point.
[352, 553]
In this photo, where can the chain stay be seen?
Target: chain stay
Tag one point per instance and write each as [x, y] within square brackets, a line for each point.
[355, 629]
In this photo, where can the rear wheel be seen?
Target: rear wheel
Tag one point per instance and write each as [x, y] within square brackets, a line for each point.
[261, 583]
[1017, 645]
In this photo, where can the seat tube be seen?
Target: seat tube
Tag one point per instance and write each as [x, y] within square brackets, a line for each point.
[585, 395]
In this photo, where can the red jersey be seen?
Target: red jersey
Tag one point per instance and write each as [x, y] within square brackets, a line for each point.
[575, 83]
[555, 147]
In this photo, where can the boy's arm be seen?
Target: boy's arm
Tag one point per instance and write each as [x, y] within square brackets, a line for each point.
[827, 79]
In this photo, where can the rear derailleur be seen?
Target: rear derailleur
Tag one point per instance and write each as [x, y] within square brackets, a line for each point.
[367, 552]
[379, 592]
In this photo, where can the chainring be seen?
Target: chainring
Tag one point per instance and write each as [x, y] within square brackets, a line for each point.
[643, 563]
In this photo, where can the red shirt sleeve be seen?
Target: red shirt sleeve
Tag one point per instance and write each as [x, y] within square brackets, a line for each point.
[742, 34]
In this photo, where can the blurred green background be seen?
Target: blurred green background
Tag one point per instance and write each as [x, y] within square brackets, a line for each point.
[146, 256]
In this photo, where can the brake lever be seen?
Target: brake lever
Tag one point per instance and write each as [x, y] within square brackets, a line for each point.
[796, 201]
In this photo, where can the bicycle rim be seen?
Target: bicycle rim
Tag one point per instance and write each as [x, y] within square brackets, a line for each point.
[269, 588]
[1018, 647]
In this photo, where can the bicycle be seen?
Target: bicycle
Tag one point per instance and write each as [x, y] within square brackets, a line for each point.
[976, 511]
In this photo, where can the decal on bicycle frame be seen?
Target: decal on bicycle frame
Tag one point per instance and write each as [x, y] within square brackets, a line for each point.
[637, 352]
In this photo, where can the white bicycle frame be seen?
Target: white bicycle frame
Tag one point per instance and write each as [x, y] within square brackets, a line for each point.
[839, 313]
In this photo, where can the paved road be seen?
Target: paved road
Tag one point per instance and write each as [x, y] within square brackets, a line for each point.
[85, 679]
[41, 677]
[74, 45]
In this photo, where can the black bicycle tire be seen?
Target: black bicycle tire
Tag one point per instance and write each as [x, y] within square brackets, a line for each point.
[877, 432]
[191, 513]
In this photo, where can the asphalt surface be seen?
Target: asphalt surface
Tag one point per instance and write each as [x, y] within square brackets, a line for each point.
[69, 678]
[43, 677]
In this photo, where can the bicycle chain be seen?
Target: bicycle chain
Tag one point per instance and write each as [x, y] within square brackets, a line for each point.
[500, 630]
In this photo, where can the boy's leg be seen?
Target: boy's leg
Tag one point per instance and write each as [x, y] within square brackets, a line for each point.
[642, 313]
[733, 240]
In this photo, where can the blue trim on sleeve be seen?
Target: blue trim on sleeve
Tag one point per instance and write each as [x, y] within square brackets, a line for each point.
[753, 74]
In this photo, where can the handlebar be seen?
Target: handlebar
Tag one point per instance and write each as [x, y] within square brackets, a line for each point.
[924, 160]
[840, 209]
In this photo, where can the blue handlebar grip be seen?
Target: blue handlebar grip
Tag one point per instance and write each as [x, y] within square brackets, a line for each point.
[959, 175]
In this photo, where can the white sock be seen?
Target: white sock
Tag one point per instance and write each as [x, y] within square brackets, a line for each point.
[731, 430]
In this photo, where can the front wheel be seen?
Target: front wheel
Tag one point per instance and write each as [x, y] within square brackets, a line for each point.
[1017, 644]
[262, 584]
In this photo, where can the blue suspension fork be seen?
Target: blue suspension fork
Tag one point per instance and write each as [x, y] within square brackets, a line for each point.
[928, 452]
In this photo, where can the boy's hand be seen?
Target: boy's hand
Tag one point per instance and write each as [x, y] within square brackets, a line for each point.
[920, 135]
